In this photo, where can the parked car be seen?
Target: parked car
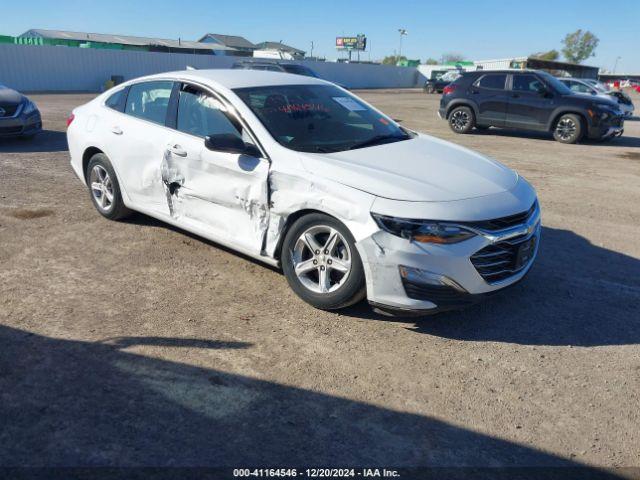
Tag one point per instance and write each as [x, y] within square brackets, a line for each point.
[437, 84]
[529, 100]
[19, 116]
[596, 88]
[294, 68]
[298, 173]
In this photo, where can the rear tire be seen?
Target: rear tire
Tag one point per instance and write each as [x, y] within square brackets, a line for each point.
[461, 120]
[104, 188]
[321, 263]
[568, 129]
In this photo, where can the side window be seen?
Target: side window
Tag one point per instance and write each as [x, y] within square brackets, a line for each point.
[116, 100]
[527, 83]
[149, 101]
[494, 81]
[201, 114]
[579, 87]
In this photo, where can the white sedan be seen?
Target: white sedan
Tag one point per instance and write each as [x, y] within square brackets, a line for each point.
[298, 172]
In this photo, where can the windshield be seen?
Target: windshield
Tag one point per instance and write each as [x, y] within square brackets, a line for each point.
[450, 76]
[300, 70]
[559, 87]
[319, 118]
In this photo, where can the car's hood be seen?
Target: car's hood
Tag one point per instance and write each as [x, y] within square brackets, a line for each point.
[602, 99]
[9, 97]
[424, 169]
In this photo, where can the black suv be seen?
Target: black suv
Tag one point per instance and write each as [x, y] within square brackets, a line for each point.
[529, 100]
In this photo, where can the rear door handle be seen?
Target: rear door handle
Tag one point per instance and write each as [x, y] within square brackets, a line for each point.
[116, 130]
[178, 150]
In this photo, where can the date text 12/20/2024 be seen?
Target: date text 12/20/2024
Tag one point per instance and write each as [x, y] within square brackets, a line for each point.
[316, 472]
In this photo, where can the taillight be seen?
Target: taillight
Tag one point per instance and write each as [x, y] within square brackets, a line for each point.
[449, 89]
[70, 119]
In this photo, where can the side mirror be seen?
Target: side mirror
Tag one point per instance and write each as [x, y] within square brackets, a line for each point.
[230, 143]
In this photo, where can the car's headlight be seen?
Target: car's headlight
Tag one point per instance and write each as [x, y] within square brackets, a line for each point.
[603, 111]
[423, 231]
[29, 107]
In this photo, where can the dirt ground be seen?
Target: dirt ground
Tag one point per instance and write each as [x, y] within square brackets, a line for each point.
[137, 344]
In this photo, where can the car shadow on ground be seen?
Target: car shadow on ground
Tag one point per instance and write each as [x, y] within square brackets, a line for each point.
[623, 141]
[141, 219]
[80, 403]
[576, 294]
[45, 141]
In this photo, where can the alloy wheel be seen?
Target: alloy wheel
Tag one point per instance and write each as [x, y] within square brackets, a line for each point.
[101, 187]
[566, 128]
[321, 259]
[460, 119]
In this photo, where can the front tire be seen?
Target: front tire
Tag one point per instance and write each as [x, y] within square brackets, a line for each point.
[321, 263]
[462, 120]
[104, 188]
[569, 129]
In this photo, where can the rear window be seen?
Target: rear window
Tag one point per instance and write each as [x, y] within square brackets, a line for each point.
[493, 81]
[149, 101]
[117, 100]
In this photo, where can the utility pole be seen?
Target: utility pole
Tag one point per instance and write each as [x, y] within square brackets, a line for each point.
[615, 65]
[311, 48]
[402, 33]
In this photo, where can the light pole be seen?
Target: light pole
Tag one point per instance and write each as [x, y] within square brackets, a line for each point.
[615, 65]
[402, 33]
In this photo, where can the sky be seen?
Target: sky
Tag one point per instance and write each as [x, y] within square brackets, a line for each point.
[478, 29]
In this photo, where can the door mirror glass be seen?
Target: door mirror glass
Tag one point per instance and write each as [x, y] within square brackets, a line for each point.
[230, 143]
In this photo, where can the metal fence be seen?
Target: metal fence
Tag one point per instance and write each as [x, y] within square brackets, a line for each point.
[32, 68]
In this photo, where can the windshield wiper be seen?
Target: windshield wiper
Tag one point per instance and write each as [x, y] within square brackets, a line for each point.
[377, 140]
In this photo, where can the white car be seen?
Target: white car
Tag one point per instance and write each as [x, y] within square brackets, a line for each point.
[298, 172]
[593, 87]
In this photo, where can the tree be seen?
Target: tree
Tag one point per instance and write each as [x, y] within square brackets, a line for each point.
[393, 59]
[579, 46]
[550, 55]
[431, 61]
[452, 57]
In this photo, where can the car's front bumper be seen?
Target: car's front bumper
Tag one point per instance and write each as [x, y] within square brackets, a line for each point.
[20, 125]
[611, 127]
[411, 277]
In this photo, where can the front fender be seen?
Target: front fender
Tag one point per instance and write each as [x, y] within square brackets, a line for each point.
[290, 193]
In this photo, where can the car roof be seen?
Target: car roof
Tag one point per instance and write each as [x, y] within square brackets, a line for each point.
[236, 78]
[504, 70]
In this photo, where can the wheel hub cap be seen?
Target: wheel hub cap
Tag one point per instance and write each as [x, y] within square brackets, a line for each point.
[566, 128]
[321, 258]
[459, 120]
[101, 187]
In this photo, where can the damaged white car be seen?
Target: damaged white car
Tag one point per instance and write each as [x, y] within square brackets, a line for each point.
[298, 172]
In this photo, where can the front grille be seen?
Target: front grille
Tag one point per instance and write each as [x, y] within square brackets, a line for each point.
[9, 110]
[10, 130]
[501, 260]
[503, 222]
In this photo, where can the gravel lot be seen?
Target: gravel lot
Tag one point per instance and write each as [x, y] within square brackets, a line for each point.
[138, 344]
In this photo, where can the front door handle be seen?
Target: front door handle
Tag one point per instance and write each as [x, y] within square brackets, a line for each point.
[116, 130]
[178, 150]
